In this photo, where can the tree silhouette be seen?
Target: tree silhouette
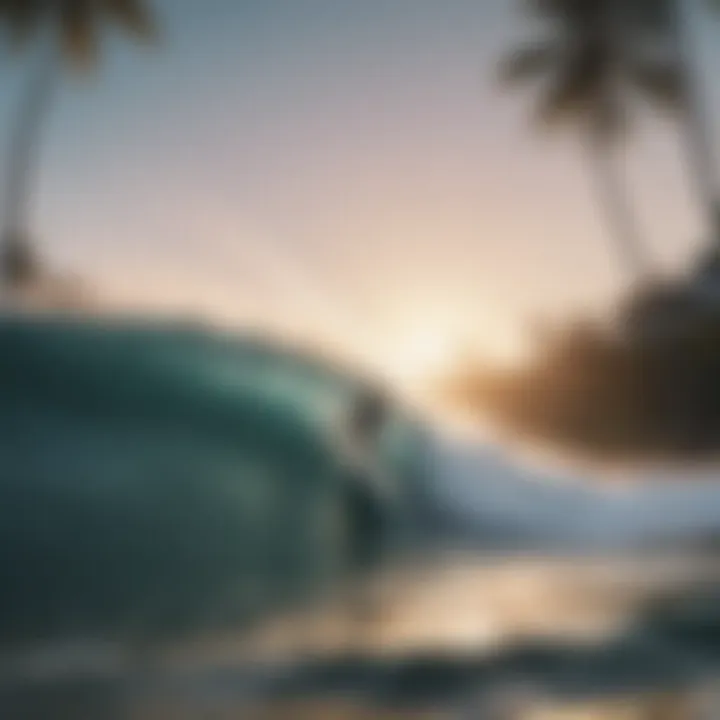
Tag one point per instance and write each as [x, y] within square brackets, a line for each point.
[594, 57]
[676, 68]
[64, 33]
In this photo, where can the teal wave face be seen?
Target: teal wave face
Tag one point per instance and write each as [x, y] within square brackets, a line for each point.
[155, 479]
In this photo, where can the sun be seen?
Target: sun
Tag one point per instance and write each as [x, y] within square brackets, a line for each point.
[420, 355]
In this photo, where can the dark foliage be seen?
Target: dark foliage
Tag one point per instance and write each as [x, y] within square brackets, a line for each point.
[648, 391]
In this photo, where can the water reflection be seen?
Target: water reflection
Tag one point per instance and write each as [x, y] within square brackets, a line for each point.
[189, 452]
[592, 638]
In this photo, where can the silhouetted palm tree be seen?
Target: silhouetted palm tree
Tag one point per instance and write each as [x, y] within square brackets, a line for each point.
[676, 65]
[65, 32]
[698, 138]
[595, 55]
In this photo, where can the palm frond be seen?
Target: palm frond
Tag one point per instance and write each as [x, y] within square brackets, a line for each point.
[528, 63]
[597, 49]
[577, 12]
[556, 108]
[582, 79]
[609, 118]
[133, 16]
[542, 8]
[582, 95]
[21, 18]
[78, 20]
[561, 102]
[661, 83]
[647, 16]
[550, 9]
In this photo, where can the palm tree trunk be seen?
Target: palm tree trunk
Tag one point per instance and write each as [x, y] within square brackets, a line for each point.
[26, 134]
[698, 137]
[619, 218]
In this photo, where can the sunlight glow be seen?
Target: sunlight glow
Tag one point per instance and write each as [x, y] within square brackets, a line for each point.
[421, 355]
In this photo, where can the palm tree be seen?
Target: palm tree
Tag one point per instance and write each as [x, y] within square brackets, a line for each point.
[698, 140]
[673, 23]
[668, 24]
[65, 32]
[594, 57]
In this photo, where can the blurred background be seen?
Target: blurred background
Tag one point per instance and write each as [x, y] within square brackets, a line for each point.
[359, 359]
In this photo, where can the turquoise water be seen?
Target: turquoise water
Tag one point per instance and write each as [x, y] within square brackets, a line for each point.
[163, 478]
[160, 480]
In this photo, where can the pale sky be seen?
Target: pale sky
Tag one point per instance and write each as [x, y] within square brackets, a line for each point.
[342, 169]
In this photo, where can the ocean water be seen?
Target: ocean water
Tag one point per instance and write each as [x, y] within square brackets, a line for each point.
[156, 479]
[164, 493]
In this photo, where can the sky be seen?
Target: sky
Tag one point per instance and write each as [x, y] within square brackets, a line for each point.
[346, 171]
